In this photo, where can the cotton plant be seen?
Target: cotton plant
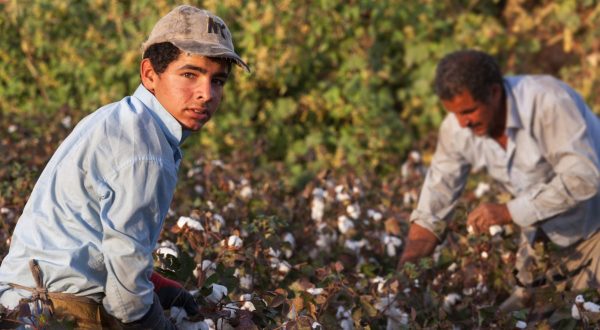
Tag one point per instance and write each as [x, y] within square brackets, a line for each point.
[356, 245]
[391, 243]
[288, 250]
[390, 307]
[344, 317]
[207, 267]
[182, 322]
[482, 189]
[189, 222]
[246, 191]
[317, 207]
[345, 224]
[413, 166]
[216, 223]
[340, 194]
[451, 300]
[218, 293]
[233, 242]
[374, 215]
[581, 308]
[353, 211]
[167, 248]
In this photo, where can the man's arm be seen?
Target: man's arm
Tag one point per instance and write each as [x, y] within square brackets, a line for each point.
[419, 243]
[135, 202]
[443, 185]
[567, 143]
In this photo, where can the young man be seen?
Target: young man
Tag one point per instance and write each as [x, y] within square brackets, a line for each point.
[83, 245]
[536, 136]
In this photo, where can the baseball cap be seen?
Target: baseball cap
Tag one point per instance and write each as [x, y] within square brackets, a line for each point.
[195, 31]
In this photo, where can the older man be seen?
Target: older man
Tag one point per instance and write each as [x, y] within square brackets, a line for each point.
[536, 136]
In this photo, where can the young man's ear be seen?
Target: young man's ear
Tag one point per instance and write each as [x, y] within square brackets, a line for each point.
[148, 75]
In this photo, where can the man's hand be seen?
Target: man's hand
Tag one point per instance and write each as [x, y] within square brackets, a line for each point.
[419, 243]
[171, 293]
[486, 215]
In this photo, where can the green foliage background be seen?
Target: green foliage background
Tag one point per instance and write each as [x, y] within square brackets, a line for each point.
[335, 84]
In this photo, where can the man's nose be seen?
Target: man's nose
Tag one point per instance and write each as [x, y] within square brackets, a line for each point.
[464, 122]
[204, 90]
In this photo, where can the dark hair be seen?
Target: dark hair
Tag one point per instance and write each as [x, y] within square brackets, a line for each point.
[469, 70]
[161, 55]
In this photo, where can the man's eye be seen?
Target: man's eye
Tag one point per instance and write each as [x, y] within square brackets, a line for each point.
[219, 82]
[189, 75]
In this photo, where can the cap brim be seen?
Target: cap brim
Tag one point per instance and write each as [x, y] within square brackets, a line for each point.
[210, 50]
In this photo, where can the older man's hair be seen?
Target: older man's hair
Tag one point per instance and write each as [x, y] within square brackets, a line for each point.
[470, 70]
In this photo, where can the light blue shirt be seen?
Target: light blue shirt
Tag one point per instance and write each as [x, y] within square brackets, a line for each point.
[550, 164]
[96, 212]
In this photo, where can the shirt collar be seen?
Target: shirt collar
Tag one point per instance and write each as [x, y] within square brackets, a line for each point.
[175, 133]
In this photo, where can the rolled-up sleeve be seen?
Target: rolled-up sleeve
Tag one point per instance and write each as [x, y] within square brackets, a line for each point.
[563, 137]
[134, 203]
[444, 182]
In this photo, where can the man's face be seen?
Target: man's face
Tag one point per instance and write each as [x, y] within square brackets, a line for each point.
[482, 118]
[191, 88]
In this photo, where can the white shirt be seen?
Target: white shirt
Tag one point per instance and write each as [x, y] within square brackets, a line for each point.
[96, 212]
[550, 164]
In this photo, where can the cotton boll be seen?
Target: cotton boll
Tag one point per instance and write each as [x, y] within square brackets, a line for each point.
[591, 307]
[341, 312]
[66, 122]
[246, 282]
[355, 246]
[217, 163]
[521, 325]
[452, 268]
[482, 189]
[347, 324]
[380, 283]
[451, 300]
[274, 253]
[235, 242]
[316, 326]
[391, 244]
[218, 293]
[345, 224]
[496, 230]
[319, 193]
[376, 216]
[289, 251]
[217, 223]
[575, 312]
[340, 194]
[248, 306]
[471, 230]
[284, 267]
[190, 223]
[199, 189]
[167, 248]
[315, 291]
[317, 209]
[208, 267]
[409, 197]
[353, 211]
[246, 192]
